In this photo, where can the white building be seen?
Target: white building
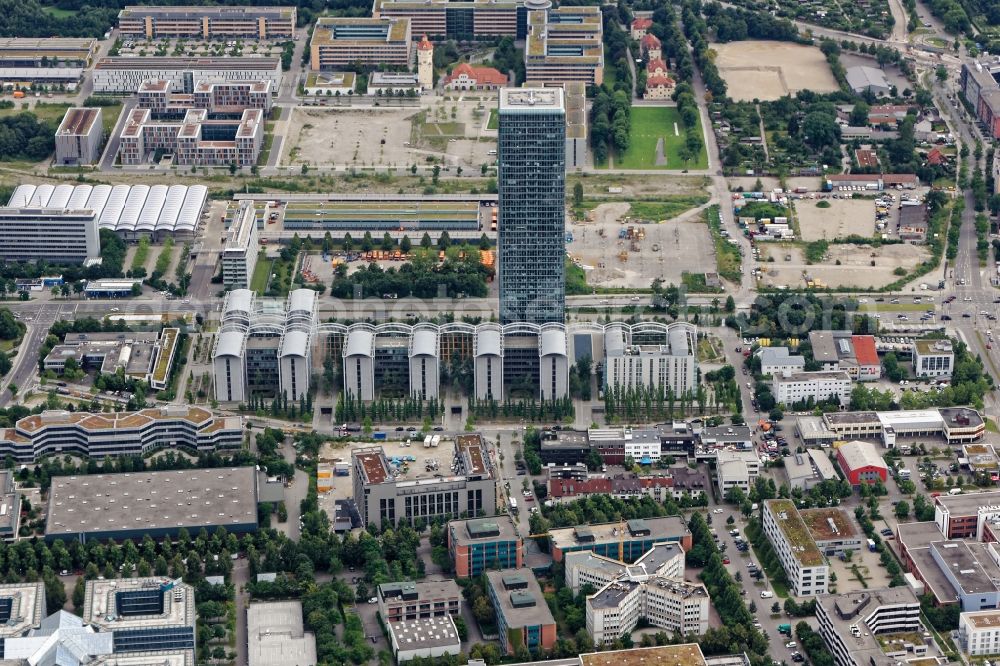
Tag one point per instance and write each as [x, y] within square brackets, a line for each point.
[669, 603]
[979, 633]
[424, 358]
[631, 362]
[737, 469]
[822, 385]
[850, 623]
[126, 74]
[933, 358]
[239, 256]
[57, 235]
[392, 83]
[777, 361]
[804, 565]
[294, 356]
[275, 628]
[585, 567]
[425, 637]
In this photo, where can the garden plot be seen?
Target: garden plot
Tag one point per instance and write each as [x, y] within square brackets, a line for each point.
[768, 70]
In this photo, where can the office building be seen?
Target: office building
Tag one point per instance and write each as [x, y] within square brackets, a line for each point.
[669, 603]
[588, 568]
[850, 625]
[803, 563]
[55, 235]
[251, 22]
[478, 544]
[802, 471]
[933, 358]
[832, 530]
[384, 497]
[125, 74]
[737, 469]
[146, 356]
[195, 140]
[966, 515]
[131, 211]
[954, 425]
[978, 84]
[861, 463]
[777, 361]
[221, 99]
[523, 616]
[416, 601]
[10, 507]
[158, 504]
[276, 635]
[634, 537]
[564, 44]
[341, 42]
[576, 125]
[426, 638]
[803, 387]
[458, 19]
[532, 212]
[113, 434]
[239, 256]
[633, 358]
[680, 482]
[22, 605]
[841, 350]
[79, 136]
[979, 633]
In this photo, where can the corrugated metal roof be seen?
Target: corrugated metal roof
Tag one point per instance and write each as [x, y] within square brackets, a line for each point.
[167, 220]
[22, 195]
[133, 208]
[151, 208]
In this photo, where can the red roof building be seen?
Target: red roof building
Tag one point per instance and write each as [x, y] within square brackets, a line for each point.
[935, 157]
[467, 77]
[869, 366]
[425, 45]
[640, 26]
[866, 157]
[861, 463]
[650, 45]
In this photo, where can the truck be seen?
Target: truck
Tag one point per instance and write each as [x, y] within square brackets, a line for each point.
[427, 442]
[785, 629]
[871, 545]
[435, 440]
[342, 469]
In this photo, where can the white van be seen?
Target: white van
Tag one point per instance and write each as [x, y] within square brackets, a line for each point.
[955, 491]
[766, 594]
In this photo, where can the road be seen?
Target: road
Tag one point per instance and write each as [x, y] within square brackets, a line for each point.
[25, 365]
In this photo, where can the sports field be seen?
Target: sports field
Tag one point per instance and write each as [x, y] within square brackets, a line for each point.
[650, 124]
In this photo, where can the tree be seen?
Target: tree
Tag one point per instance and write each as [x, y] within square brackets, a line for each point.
[902, 509]
[859, 114]
[426, 242]
[820, 130]
[405, 245]
[578, 193]
[941, 73]
[775, 608]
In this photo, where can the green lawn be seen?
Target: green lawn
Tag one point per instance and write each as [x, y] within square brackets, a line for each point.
[59, 13]
[494, 122]
[260, 274]
[649, 124]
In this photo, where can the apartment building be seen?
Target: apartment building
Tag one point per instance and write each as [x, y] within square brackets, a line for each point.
[669, 603]
[564, 44]
[57, 235]
[851, 623]
[458, 19]
[79, 136]
[523, 616]
[818, 386]
[340, 42]
[125, 74]
[220, 98]
[119, 434]
[804, 565]
[196, 139]
[149, 22]
[478, 544]
[933, 358]
[978, 84]
[239, 256]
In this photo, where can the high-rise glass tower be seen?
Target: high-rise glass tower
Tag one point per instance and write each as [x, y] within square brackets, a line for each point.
[532, 215]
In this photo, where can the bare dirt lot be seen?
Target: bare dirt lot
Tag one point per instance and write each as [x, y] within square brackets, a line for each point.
[447, 129]
[768, 70]
[855, 269]
[843, 218]
[682, 244]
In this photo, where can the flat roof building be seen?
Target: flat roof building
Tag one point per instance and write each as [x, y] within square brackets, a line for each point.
[421, 600]
[341, 42]
[851, 623]
[841, 350]
[99, 435]
[10, 506]
[126, 73]
[832, 530]
[22, 608]
[276, 636]
[458, 19]
[429, 637]
[158, 504]
[564, 44]
[965, 515]
[478, 543]
[149, 22]
[933, 358]
[979, 633]
[45, 52]
[57, 235]
[803, 562]
[604, 539]
[79, 136]
[197, 139]
[521, 610]
[686, 654]
[585, 567]
[384, 497]
[777, 361]
[737, 469]
[239, 256]
[669, 603]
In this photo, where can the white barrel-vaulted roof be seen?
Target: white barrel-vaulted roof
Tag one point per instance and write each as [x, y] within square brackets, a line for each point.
[230, 343]
[98, 199]
[295, 343]
[113, 209]
[40, 199]
[22, 195]
[171, 208]
[489, 341]
[194, 203]
[553, 342]
[81, 194]
[60, 196]
[133, 208]
[360, 342]
[151, 209]
[424, 342]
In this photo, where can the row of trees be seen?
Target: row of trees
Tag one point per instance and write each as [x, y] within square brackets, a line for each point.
[352, 409]
[531, 410]
[645, 403]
